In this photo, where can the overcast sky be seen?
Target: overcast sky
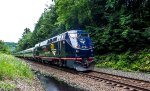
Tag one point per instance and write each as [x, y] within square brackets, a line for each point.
[16, 15]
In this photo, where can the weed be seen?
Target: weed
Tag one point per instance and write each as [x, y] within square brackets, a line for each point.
[11, 68]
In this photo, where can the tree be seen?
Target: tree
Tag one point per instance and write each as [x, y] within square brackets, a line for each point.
[25, 41]
[4, 48]
[114, 25]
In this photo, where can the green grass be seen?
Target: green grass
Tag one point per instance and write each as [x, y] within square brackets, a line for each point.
[7, 86]
[12, 68]
[139, 61]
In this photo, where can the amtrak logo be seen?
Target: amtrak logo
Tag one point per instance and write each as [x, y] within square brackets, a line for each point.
[82, 41]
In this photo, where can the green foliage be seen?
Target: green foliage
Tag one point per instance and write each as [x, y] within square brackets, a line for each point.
[4, 48]
[73, 14]
[25, 41]
[114, 25]
[12, 68]
[7, 86]
[11, 45]
[139, 61]
[45, 28]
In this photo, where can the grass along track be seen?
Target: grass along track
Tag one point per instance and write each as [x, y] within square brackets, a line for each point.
[12, 70]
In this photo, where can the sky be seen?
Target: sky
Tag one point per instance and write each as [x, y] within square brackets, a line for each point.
[16, 15]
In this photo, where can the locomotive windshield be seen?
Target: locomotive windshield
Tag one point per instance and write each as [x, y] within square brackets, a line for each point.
[82, 35]
[80, 40]
[73, 35]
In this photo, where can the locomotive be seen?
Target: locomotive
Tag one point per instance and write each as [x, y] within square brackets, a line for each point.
[73, 49]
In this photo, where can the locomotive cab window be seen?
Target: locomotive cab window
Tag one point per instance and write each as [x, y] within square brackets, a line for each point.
[73, 35]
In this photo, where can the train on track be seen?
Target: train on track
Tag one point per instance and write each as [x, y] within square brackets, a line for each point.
[73, 49]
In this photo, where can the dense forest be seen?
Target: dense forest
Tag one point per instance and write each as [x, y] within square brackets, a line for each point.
[118, 28]
[114, 25]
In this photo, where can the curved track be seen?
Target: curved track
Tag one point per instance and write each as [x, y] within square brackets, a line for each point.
[120, 81]
[113, 80]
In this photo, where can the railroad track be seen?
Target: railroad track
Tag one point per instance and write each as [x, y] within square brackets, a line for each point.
[113, 80]
[119, 81]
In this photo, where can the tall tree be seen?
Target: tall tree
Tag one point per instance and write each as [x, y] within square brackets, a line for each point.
[114, 25]
[25, 41]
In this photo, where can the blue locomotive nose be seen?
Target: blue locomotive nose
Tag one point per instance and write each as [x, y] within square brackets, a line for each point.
[82, 44]
[84, 53]
[85, 48]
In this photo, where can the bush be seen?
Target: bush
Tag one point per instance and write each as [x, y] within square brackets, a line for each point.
[139, 61]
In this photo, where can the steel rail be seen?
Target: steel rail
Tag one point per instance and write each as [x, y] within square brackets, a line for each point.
[122, 83]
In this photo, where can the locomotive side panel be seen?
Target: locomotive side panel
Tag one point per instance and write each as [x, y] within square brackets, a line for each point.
[70, 52]
[63, 49]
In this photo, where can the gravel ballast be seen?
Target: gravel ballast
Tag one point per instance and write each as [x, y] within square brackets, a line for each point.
[34, 85]
[135, 75]
[23, 85]
[75, 80]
